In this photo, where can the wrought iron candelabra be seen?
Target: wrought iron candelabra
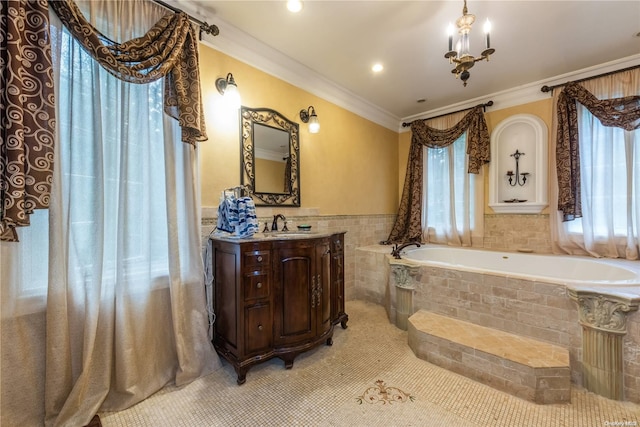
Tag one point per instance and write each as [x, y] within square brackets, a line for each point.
[514, 179]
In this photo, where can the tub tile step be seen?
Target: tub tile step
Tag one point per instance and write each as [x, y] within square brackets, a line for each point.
[527, 368]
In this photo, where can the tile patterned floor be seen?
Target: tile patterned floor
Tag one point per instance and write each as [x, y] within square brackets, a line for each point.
[369, 377]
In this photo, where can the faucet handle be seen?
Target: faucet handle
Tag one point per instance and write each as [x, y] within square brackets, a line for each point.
[285, 227]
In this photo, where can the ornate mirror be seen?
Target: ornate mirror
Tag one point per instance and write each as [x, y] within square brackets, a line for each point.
[270, 157]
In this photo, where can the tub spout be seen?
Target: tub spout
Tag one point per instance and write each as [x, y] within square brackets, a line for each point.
[396, 249]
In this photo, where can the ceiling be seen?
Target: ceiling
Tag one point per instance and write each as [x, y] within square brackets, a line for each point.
[341, 40]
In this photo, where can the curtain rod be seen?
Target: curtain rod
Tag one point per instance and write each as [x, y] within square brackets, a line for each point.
[204, 27]
[485, 105]
[546, 88]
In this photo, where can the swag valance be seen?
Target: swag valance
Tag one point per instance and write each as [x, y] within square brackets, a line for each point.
[618, 112]
[169, 50]
[408, 226]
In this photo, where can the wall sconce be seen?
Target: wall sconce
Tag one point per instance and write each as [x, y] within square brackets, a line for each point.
[309, 116]
[228, 88]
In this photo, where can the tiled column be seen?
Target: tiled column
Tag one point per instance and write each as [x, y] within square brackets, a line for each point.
[603, 319]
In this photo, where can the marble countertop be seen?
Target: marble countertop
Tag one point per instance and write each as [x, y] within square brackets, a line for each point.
[274, 235]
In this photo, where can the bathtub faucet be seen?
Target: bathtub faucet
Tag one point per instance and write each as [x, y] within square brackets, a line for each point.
[396, 249]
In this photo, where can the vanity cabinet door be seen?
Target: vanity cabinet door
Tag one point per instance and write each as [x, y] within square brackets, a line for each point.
[294, 279]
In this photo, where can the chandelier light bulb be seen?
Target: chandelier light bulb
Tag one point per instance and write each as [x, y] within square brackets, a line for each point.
[487, 30]
[487, 26]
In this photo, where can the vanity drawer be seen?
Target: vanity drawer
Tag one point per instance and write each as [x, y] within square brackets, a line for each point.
[256, 285]
[254, 260]
[258, 330]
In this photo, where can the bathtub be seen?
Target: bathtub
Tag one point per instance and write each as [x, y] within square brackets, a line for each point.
[559, 269]
[583, 304]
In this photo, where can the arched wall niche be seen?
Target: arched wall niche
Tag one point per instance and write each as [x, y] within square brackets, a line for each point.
[518, 168]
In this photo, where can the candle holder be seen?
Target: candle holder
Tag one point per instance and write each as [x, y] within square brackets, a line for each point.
[514, 178]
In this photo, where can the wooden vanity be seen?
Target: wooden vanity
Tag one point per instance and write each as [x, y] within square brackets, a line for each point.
[276, 295]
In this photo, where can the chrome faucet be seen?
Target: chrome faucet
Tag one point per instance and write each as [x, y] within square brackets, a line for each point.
[396, 249]
[274, 226]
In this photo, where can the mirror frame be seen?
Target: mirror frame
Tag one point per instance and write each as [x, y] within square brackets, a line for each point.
[268, 117]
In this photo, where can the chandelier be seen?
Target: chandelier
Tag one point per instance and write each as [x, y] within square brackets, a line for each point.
[461, 56]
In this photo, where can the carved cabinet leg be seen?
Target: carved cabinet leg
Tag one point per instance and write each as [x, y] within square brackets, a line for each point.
[344, 323]
[242, 375]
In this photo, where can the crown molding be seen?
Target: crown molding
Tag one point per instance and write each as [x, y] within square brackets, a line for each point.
[243, 47]
[530, 92]
[239, 45]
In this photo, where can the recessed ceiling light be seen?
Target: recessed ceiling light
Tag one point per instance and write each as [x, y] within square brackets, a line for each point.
[294, 6]
[377, 67]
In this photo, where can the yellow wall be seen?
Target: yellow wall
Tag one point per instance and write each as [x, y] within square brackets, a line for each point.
[349, 168]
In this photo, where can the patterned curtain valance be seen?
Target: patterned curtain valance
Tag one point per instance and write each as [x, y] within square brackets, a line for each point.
[27, 113]
[618, 112]
[408, 226]
[168, 50]
[477, 137]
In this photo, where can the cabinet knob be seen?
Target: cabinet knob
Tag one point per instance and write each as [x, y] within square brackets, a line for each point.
[259, 258]
[260, 327]
[259, 285]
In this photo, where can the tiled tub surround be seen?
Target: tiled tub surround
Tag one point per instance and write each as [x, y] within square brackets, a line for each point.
[538, 309]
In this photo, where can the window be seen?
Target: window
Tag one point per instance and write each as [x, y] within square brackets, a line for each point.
[453, 199]
[609, 179]
[111, 175]
[608, 159]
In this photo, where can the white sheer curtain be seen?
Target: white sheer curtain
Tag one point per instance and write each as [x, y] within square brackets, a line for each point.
[610, 180]
[452, 204]
[123, 285]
